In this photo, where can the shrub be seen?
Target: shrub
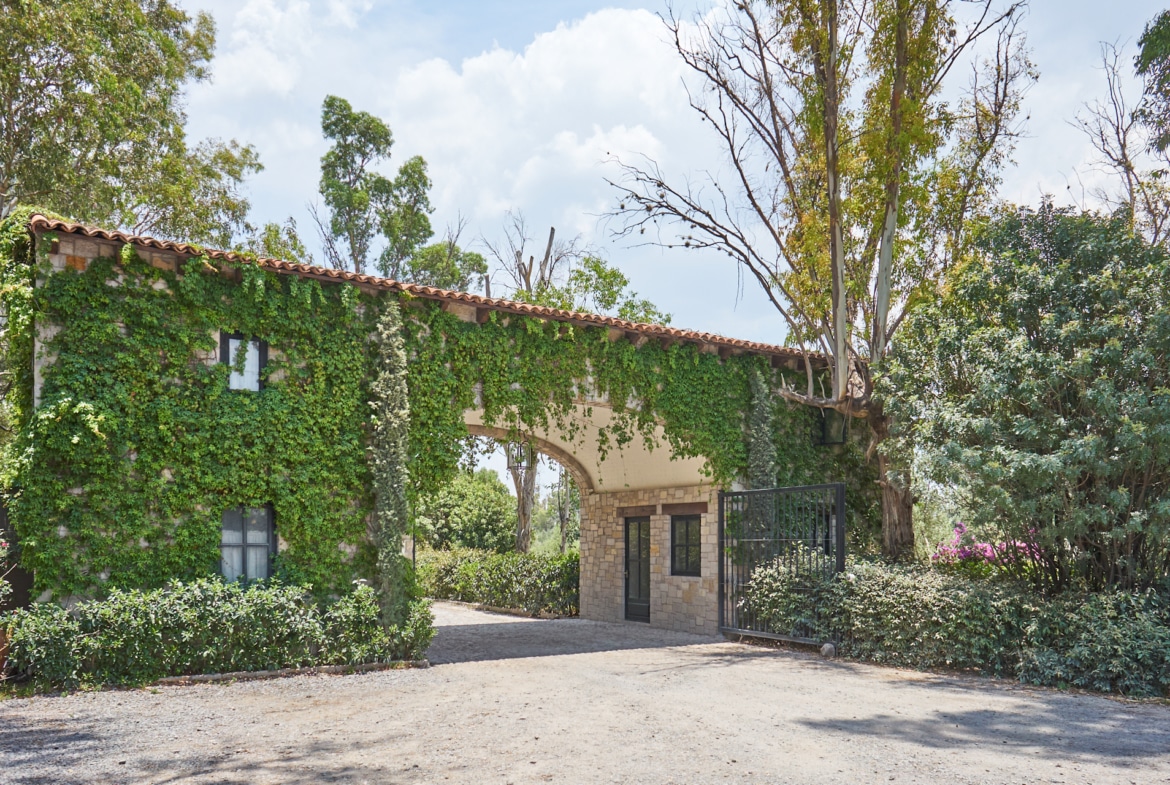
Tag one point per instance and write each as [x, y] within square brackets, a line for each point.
[925, 618]
[206, 626]
[5, 567]
[530, 582]
[1034, 384]
[1110, 642]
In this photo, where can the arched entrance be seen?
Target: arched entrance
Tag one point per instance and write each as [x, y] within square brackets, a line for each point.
[640, 507]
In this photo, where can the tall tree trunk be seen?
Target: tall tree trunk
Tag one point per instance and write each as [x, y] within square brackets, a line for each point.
[522, 464]
[830, 84]
[897, 493]
[563, 495]
[881, 311]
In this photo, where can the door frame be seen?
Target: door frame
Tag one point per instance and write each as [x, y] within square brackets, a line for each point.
[638, 520]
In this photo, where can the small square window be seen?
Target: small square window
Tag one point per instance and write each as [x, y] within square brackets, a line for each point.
[686, 548]
[247, 543]
[255, 358]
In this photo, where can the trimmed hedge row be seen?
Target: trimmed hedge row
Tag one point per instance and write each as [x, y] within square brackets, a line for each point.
[525, 581]
[923, 618]
[207, 626]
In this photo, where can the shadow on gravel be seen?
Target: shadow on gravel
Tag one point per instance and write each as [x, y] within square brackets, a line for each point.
[455, 643]
[47, 754]
[24, 742]
[1054, 726]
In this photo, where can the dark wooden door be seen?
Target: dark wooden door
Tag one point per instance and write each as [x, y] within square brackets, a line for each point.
[638, 569]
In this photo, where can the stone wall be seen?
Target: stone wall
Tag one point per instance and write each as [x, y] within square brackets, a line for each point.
[677, 602]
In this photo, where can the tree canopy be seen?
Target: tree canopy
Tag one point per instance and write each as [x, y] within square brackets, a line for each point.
[474, 511]
[92, 119]
[1036, 382]
[851, 179]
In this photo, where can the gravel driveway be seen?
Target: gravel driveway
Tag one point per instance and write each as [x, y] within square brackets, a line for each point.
[514, 700]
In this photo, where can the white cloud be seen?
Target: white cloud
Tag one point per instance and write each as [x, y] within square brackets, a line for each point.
[531, 127]
[265, 48]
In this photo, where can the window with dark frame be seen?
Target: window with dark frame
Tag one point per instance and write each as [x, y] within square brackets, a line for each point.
[255, 358]
[686, 548]
[247, 544]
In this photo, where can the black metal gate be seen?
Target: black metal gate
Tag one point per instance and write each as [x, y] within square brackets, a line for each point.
[797, 534]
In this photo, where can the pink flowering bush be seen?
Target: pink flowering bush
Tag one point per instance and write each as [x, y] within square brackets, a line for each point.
[981, 559]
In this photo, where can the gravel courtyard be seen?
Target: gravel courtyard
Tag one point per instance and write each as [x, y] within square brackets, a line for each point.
[514, 700]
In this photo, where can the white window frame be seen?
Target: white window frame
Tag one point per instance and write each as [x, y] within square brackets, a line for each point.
[252, 376]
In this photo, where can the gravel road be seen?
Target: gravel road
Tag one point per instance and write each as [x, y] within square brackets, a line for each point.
[513, 700]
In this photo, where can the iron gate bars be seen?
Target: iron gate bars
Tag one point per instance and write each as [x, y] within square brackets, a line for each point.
[795, 535]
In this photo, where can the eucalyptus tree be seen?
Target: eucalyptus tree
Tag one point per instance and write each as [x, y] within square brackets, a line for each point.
[92, 119]
[1153, 65]
[852, 178]
[1129, 134]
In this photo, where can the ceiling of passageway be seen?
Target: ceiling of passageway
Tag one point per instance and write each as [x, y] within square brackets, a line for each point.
[631, 468]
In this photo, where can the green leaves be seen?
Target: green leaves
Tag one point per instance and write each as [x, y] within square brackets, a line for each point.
[522, 581]
[474, 511]
[1036, 382]
[1153, 65]
[92, 120]
[207, 626]
[364, 203]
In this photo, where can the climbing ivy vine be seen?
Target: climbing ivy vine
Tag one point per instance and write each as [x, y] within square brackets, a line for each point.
[120, 474]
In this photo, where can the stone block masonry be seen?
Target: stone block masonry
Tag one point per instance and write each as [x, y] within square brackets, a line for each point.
[677, 602]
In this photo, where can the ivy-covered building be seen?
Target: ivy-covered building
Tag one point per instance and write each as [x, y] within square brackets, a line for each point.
[179, 411]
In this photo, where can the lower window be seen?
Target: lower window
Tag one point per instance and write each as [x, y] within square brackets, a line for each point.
[247, 543]
[686, 550]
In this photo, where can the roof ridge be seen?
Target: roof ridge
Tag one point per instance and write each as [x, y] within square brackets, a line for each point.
[40, 222]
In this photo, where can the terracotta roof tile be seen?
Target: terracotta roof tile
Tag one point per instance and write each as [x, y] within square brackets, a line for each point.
[41, 223]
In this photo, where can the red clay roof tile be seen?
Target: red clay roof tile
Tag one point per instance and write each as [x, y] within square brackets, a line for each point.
[41, 223]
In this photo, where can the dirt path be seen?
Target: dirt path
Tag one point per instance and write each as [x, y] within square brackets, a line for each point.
[520, 701]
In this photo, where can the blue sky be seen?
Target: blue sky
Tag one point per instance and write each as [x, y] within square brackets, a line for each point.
[515, 105]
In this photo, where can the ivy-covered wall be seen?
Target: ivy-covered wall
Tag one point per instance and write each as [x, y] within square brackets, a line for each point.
[121, 473]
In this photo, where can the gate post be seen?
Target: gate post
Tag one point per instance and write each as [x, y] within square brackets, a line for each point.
[721, 554]
[840, 504]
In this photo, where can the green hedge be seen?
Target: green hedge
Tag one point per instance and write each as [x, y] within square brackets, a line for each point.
[207, 626]
[923, 618]
[524, 581]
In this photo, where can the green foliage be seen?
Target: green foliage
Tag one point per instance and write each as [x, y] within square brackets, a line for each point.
[135, 637]
[137, 447]
[389, 425]
[523, 371]
[5, 567]
[596, 287]
[761, 471]
[279, 241]
[364, 203]
[523, 581]
[94, 119]
[475, 510]
[1036, 384]
[922, 618]
[121, 475]
[1153, 65]
[1108, 642]
[446, 266]
[359, 139]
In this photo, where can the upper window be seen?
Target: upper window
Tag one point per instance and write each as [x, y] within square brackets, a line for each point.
[247, 543]
[255, 358]
[685, 545]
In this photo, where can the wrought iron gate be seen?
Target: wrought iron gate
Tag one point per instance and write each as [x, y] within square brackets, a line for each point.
[797, 532]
